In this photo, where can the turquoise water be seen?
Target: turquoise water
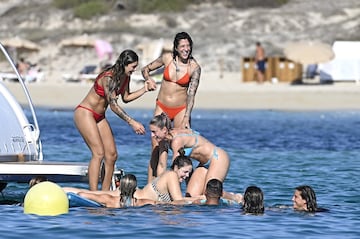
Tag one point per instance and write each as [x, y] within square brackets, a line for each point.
[275, 150]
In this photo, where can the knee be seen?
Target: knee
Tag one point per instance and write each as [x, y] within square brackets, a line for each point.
[99, 155]
[112, 156]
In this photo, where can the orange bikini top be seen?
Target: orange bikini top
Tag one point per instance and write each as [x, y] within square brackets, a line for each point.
[183, 81]
[100, 90]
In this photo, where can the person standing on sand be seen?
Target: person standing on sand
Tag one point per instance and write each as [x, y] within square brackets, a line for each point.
[177, 92]
[260, 63]
[89, 115]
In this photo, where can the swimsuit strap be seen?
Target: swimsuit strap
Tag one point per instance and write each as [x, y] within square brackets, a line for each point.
[122, 88]
[188, 150]
[183, 81]
[193, 133]
[97, 87]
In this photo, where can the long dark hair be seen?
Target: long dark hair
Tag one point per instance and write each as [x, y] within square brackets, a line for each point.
[180, 36]
[126, 57]
[308, 194]
[253, 200]
[181, 160]
[127, 188]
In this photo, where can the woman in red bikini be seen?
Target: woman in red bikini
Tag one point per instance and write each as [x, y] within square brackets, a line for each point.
[177, 92]
[89, 115]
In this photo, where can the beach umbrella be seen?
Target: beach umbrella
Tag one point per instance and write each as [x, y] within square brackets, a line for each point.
[20, 44]
[78, 41]
[309, 52]
[103, 49]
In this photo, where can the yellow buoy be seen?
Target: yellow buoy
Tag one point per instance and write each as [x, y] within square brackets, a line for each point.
[46, 199]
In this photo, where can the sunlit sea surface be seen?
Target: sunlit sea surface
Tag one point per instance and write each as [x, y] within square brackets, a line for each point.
[275, 150]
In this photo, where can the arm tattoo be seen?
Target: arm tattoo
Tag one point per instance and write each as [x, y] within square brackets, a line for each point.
[193, 86]
[150, 67]
[112, 98]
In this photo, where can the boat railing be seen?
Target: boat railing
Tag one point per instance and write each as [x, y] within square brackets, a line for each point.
[34, 136]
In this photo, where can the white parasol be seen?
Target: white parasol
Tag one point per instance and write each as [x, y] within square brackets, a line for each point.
[309, 52]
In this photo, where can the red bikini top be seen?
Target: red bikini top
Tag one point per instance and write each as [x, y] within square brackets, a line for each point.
[100, 90]
[183, 81]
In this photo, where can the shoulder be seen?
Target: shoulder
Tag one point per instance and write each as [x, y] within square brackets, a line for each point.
[169, 175]
[104, 75]
[167, 57]
[320, 209]
[194, 64]
[195, 67]
[177, 138]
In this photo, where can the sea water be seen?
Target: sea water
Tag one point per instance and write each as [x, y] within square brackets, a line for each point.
[275, 150]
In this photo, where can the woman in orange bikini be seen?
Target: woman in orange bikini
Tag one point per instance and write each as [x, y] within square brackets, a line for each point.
[89, 115]
[177, 92]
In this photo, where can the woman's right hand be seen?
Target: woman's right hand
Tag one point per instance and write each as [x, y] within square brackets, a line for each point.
[137, 127]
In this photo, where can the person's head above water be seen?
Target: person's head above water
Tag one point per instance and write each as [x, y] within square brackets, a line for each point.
[304, 199]
[127, 188]
[253, 200]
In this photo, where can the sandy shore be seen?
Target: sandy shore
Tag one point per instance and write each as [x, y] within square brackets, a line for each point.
[213, 93]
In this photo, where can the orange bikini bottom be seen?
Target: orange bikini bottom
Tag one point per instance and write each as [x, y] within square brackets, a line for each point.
[170, 111]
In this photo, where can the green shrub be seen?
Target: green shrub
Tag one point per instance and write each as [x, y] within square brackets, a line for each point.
[66, 4]
[90, 9]
[84, 9]
[149, 6]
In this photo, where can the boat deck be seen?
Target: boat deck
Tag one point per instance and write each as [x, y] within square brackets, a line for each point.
[23, 172]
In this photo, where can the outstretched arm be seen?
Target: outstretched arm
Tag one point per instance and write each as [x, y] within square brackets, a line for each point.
[145, 71]
[104, 199]
[237, 197]
[128, 96]
[112, 99]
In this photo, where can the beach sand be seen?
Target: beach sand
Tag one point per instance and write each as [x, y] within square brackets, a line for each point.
[228, 92]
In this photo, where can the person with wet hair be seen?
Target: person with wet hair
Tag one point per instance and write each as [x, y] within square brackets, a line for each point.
[163, 189]
[36, 180]
[166, 187]
[214, 162]
[253, 201]
[213, 191]
[177, 92]
[90, 120]
[304, 199]
[125, 196]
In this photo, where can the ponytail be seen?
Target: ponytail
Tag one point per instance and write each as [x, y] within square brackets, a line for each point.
[181, 160]
[161, 121]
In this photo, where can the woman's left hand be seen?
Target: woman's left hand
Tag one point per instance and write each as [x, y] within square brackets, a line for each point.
[137, 127]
